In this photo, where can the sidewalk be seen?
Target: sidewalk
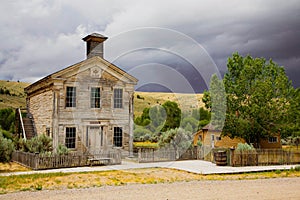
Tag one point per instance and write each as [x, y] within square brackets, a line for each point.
[194, 166]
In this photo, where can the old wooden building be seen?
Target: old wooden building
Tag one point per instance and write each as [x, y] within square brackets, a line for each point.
[87, 106]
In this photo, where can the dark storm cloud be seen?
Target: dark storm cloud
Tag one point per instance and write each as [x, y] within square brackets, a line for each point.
[40, 37]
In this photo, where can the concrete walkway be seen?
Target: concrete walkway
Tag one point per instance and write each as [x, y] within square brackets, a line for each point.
[194, 166]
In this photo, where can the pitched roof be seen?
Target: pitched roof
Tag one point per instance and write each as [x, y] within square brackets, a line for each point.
[74, 68]
[210, 127]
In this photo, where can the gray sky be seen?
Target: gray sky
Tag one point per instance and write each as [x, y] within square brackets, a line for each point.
[174, 44]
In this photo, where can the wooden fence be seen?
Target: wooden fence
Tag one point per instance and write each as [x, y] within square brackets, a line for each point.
[264, 157]
[40, 161]
[162, 154]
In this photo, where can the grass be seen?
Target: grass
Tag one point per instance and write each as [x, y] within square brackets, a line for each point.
[145, 145]
[141, 99]
[148, 99]
[51, 181]
[12, 167]
[17, 99]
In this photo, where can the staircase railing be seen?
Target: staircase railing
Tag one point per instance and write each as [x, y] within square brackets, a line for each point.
[22, 124]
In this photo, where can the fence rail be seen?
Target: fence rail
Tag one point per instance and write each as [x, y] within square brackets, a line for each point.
[40, 161]
[265, 157]
[160, 155]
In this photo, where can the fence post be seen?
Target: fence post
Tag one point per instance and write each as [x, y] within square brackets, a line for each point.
[36, 161]
[232, 149]
[139, 154]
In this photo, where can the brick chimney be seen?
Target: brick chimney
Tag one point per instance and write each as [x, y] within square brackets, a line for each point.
[94, 45]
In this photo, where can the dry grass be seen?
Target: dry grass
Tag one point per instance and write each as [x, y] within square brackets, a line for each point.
[53, 181]
[16, 88]
[12, 167]
[147, 99]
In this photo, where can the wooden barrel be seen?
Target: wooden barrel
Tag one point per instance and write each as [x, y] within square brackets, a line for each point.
[221, 158]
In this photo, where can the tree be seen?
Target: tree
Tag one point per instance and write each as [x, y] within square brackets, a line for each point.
[217, 102]
[6, 149]
[7, 119]
[258, 98]
[179, 139]
[144, 119]
[189, 124]
[173, 115]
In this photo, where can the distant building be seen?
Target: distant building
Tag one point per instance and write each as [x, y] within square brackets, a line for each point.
[87, 106]
[211, 138]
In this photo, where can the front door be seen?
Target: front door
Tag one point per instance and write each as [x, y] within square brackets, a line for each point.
[94, 138]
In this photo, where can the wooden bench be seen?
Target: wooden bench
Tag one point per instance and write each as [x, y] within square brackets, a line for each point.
[99, 161]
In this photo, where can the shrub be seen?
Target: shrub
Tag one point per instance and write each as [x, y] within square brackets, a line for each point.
[6, 149]
[37, 144]
[245, 147]
[62, 149]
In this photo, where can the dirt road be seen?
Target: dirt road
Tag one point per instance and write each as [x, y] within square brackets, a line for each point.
[279, 188]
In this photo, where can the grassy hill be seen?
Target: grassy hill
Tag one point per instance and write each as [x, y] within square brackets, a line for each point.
[142, 100]
[16, 97]
[186, 102]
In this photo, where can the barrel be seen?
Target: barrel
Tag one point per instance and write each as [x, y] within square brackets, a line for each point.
[221, 158]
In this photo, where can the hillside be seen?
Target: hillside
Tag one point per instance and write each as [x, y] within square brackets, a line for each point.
[12, 94]
[16, 98]
[147, 99]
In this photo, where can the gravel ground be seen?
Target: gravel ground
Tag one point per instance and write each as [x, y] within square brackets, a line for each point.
[279, 188]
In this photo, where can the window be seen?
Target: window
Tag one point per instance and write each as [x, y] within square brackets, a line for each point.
[70, 137]
[95, 97]
[118, 98]
[71, 97]
[218, 138]
[272, 139]
[118, 136]
[48, 132]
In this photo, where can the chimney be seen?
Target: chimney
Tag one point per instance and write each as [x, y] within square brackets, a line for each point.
[94, 45]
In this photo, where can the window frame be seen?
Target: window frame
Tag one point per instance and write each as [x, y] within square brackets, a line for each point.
[70, 141]
[70, 97]
[118, 136]
[118, 98]
[272, 139]
[94, 99]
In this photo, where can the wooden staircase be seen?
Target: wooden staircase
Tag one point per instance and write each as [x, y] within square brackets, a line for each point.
[29, 128]
[25, 124]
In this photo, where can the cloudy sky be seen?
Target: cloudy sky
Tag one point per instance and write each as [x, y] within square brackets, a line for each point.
[168, 45]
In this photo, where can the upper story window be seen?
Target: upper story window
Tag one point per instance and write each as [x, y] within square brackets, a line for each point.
[71, 97]
[118, 98]
[95, 97]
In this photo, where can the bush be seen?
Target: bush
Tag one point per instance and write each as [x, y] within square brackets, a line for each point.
[37, 144]
[245, 147]
[6, 149]
[62, 149]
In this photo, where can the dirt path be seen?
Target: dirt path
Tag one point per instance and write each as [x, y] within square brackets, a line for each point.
[279, 188]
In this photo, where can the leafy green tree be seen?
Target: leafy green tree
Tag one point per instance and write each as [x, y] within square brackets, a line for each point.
[6, 149]
[206, 99]
[218, 102]
[293, 116]
[144, 119]
[258, 98]
[157, 115]
[178, 138]
[190, 124]
[7, 119]
[173, 115]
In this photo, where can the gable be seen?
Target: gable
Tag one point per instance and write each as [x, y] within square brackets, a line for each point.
[95, 68]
